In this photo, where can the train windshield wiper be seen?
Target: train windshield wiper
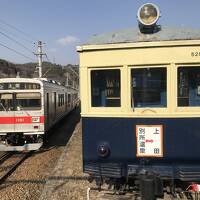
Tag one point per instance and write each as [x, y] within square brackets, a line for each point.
[3, 106]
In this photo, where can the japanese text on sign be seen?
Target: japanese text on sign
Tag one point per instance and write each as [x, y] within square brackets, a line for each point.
[149, 140]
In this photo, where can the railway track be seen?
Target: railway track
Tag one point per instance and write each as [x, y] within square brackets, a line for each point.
[109, 195]
[9, 163]
[5, 156]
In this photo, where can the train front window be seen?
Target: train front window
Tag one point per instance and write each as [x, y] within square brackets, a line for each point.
[188, 86]
[6, 102]
[149, 87]
[28, 101]
[105, 88]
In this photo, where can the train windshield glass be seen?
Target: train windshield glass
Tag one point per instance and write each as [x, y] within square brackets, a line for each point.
[105, 88]
[6, 102]
[20, 101]
[188, 86]
[28, 101]
[149, 87]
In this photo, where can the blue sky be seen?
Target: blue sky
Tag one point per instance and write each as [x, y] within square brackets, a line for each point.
[64, 24]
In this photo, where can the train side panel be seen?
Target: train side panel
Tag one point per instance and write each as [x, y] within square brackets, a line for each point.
[180, 147]
[59, 102]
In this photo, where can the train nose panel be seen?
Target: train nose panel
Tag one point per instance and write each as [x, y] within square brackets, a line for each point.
[21, 122]
[29, 123]
[7, 123]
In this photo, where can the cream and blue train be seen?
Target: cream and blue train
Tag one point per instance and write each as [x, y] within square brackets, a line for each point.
[140, 106]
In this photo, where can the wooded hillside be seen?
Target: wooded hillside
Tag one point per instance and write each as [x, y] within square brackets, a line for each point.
[29, 70]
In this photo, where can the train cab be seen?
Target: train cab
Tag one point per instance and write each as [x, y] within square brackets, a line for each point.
[29, 108]
[21, 114]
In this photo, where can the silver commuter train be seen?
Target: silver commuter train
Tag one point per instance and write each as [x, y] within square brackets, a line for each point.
[29, 108]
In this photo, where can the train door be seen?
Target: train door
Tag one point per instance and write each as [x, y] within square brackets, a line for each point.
[48, 113]
[7, 117]
[65, 101]
[55, 104]
[69, 101]
[72, 100]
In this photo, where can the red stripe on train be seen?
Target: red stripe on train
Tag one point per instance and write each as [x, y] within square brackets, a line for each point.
[20, 120]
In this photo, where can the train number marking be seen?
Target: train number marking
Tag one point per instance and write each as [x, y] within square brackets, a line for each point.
[149, 140]
[19, 120]
[195, 54]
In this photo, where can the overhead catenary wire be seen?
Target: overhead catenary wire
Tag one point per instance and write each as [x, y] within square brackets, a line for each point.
[47, 71]
[50, 68]
[17, 52]
[73, 71]
[18, 30]
[47, 58]
[19, 43]
[16, 35]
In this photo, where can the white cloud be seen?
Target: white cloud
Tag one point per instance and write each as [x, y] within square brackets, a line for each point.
[67, 40]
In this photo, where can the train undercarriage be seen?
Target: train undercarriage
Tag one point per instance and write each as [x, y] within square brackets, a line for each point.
[150, 184]
[147, 187]
[20, 141]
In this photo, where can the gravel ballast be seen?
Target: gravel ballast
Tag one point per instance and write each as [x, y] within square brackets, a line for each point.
[29, 179]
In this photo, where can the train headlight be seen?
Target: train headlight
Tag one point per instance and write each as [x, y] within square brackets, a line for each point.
[103, 150]
[148, 14]
[35, 119]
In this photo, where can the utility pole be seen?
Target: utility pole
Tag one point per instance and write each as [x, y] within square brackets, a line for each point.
[39, 55]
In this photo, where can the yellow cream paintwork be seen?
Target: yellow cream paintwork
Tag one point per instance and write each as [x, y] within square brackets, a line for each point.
[170, 54]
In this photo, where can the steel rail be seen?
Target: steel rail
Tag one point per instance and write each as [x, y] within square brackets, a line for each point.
[14, 167]
[5, 156]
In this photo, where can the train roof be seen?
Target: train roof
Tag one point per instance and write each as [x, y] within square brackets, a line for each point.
[133, 35]
[20, 80]
[40, 81]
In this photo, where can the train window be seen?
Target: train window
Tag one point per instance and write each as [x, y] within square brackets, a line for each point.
[149, 87]
[6, 102]
[188, 86]
[68, 99]
[105, 86]
[28, 101]
[61, 99]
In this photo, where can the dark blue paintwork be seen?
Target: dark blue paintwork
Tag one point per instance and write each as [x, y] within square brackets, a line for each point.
[181, 137]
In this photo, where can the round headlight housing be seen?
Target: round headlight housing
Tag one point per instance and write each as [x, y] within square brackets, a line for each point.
[148, 14]
[103, 150]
